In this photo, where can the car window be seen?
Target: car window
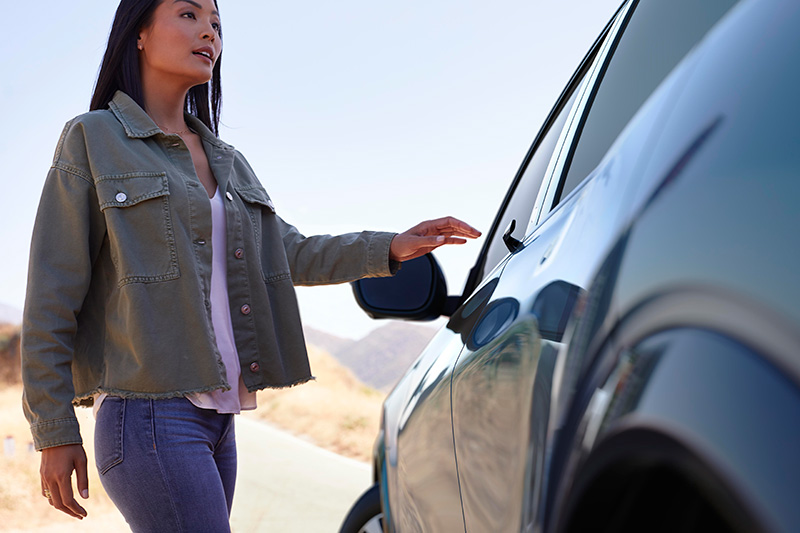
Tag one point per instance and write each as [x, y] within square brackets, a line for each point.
[658, 35]
[520, 205]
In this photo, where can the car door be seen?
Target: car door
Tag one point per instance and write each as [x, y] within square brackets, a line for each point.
[421, 477]
[511, 368]
[502, 381]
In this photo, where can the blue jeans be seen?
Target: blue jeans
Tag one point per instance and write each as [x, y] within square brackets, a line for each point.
[166, 464]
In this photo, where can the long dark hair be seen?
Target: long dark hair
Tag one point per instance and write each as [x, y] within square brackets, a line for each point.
[120, 67]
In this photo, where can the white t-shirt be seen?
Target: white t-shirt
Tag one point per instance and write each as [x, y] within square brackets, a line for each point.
[238, 398]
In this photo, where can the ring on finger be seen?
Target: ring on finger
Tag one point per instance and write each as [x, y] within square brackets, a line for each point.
[47, 494]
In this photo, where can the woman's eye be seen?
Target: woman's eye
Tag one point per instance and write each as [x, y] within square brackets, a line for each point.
[216, 26]
[189, 15]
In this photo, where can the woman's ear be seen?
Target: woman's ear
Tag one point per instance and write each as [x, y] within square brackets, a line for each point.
[141, 39]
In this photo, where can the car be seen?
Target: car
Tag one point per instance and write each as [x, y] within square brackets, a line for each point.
[625, 355]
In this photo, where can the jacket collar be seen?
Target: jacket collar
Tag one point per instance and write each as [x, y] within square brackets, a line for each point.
[139, 125]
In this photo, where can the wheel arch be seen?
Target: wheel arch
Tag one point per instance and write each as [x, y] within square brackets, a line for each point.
[627, 471]
[696, 406]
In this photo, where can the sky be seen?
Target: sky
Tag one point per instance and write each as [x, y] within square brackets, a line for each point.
[354, 114]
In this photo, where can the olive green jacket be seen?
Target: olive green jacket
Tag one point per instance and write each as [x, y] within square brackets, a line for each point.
[120, 272]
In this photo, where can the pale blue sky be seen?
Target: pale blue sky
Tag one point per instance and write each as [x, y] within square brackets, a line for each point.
[354, 114]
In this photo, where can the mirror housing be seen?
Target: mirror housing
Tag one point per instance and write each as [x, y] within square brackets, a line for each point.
[417, 292]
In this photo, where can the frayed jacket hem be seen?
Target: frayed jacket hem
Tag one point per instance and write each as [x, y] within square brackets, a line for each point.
[87, 399]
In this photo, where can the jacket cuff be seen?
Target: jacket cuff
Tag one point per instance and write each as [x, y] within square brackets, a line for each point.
[59, 432]
[378, 262]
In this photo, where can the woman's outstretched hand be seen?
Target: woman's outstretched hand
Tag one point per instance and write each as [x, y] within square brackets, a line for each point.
[429, 235]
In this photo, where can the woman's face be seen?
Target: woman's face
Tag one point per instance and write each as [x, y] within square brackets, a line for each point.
[181, 44]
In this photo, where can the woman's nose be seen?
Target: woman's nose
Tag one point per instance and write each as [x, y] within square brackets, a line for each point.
[209, 33]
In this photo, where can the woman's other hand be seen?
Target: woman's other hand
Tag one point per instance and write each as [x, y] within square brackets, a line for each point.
[56, 475]
[429, 235]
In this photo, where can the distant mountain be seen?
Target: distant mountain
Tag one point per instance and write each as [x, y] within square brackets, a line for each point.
[380, 358]
[326, 341]
[10, 314]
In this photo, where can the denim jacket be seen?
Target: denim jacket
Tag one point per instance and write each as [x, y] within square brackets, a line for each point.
[120, 272]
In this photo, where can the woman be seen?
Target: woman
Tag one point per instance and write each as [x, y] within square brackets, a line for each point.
[161, 281]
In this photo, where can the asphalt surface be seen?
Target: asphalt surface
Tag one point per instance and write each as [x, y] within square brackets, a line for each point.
[286, 484]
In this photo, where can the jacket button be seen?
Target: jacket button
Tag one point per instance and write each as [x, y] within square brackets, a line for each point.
[245, 309]
[254, 367]
[239, 253]
[201, 242]
[229, 196]
[121, 197]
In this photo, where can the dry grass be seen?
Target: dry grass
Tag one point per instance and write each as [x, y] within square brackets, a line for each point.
[336, 411]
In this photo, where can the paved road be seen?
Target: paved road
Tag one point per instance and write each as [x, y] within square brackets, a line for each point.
[286, 484]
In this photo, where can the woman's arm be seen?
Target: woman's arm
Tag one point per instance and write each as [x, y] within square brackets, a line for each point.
[327, 259]
[67, 236]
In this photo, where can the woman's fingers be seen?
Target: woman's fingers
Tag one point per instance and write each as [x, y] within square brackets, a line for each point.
[57, 496]
[406, 247]
[82, 476]
[460, 227]
[64, 501]
[61, 498]
[447, 226]
[46, 492]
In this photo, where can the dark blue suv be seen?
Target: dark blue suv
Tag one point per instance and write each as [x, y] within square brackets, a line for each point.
[625, 355]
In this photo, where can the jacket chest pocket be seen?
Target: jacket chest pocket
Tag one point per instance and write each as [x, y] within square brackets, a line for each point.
[267, 233]
[136, 209]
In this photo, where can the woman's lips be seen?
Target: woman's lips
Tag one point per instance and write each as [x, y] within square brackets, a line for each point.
[205, 53]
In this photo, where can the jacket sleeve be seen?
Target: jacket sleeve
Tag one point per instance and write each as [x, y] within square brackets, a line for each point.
[329, 259]
[68, 232]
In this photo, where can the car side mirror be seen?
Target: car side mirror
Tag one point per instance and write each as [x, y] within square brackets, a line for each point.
[417, 292]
